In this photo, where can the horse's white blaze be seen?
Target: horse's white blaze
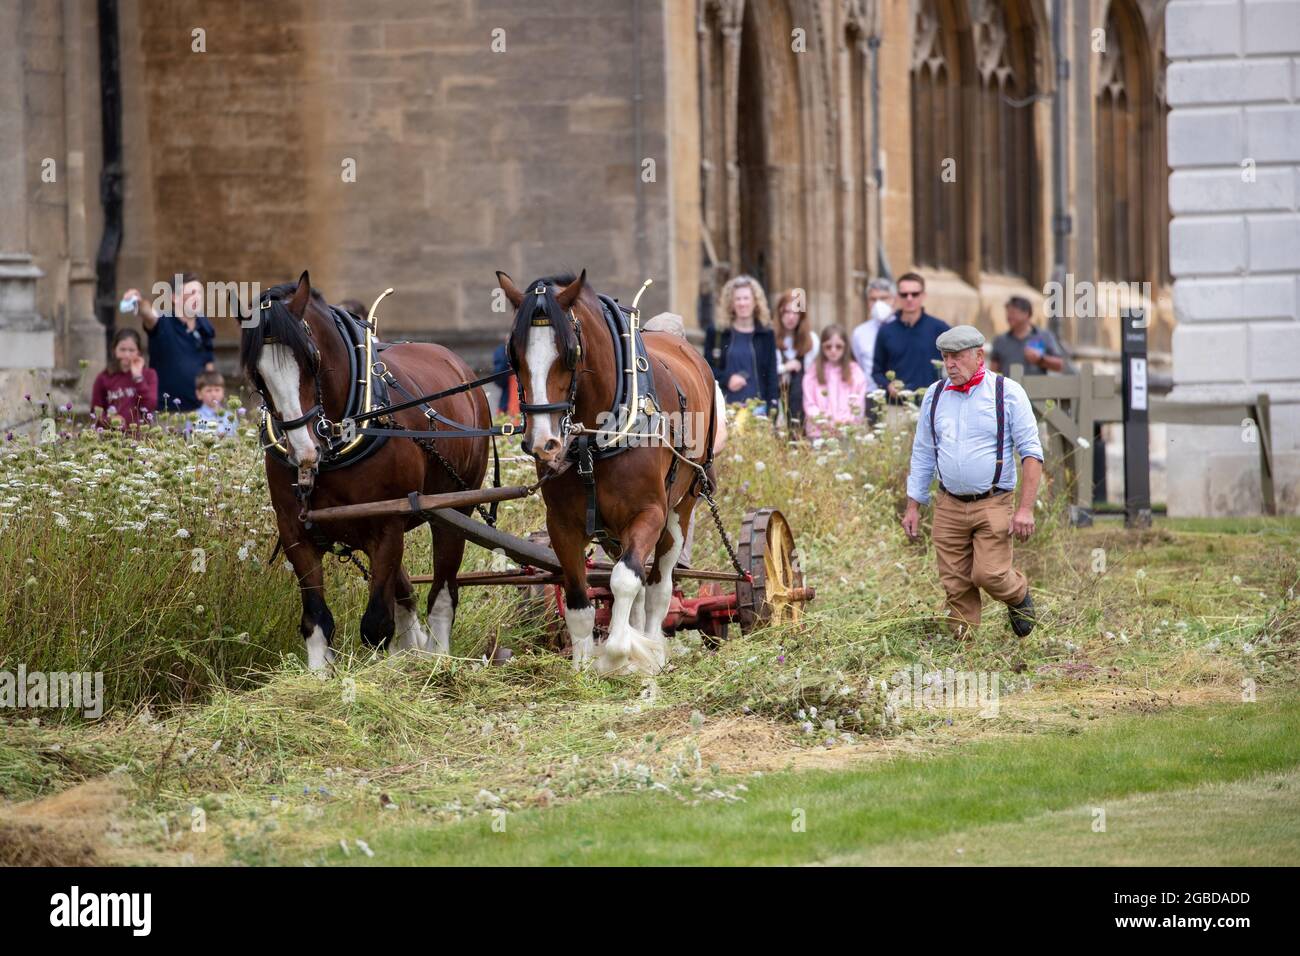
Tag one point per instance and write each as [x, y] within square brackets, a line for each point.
[628, 651]
[541, 355]
[581, 622]
[408, 633]
[660, 596]
[319, 653]
[441, 616]
[280, 371]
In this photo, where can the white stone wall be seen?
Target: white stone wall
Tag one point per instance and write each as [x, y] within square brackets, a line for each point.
[1234, 190]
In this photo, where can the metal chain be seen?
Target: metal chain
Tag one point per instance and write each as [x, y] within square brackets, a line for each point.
[346, 553]
[343, 552]
[430, 447]
[706, 488]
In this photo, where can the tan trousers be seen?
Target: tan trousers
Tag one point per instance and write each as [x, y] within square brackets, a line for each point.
[973, 543]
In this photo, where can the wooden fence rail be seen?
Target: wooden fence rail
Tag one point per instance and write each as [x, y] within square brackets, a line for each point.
[1073, 405]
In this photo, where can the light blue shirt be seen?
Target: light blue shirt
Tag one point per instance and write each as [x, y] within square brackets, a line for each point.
[967, 426]
[222, 423]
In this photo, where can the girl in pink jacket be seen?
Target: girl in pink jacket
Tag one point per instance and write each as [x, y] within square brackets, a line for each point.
[835, 389]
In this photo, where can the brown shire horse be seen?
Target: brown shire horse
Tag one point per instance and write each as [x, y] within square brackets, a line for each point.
[561, 346]
[297, 358]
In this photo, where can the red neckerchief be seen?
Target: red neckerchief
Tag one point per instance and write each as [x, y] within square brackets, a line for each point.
[971, 382]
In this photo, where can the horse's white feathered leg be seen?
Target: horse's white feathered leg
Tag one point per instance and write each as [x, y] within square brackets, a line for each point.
[627, 650]
[441, 616]
[581, 622]
[637, 618]
[408, 634]
[319, 653]
[659, 596]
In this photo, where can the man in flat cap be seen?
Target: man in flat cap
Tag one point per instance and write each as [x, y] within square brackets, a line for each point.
[967, 426]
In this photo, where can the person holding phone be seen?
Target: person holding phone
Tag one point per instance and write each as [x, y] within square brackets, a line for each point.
[1025, 344]
[180, 342]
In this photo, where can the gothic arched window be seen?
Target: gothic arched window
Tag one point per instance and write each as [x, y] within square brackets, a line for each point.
[1128, 174]
[1008, 167]
[938, 140]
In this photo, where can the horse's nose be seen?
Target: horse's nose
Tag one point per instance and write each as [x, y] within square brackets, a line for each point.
[550, 448]
[308, 458]
[527, 445]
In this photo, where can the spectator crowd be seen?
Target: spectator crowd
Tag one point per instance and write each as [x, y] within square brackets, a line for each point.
[817, 380]
[177, 374]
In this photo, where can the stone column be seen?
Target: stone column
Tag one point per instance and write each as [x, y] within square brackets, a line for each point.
[26, 337]
[84, 336]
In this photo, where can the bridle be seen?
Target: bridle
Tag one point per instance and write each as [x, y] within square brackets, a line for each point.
[324, 427]
[572, 359]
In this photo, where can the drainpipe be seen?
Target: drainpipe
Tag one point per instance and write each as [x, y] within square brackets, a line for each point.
[1061, 220]
[110, 178]
[882, 260]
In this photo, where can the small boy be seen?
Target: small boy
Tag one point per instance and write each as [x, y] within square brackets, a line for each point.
[210, 387]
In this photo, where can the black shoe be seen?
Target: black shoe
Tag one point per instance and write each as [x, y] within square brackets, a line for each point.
[1022, 615]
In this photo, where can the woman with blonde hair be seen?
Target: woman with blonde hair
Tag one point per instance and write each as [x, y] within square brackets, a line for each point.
[835, 390]
[742, 353]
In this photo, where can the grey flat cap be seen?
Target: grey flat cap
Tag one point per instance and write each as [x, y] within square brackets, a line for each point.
[959, 338]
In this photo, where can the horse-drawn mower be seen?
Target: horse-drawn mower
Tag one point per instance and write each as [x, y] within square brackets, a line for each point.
[773, 589]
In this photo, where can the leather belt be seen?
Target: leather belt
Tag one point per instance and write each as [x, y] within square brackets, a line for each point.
[980, 497]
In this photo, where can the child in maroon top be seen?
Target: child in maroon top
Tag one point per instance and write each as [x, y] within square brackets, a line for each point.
[127, 386]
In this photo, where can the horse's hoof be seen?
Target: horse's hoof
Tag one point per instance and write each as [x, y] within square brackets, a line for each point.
[501, 655]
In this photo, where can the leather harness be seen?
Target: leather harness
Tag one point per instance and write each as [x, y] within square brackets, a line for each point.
[632, 361]
[337, 450]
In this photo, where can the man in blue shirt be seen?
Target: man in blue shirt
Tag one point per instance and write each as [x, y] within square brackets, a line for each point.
[180, 344]
[964, 435]
[906, 347]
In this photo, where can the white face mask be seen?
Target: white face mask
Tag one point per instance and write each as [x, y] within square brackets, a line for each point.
[881, 311]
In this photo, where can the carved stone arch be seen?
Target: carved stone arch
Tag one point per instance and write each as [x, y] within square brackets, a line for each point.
[768, 142]
[862, 16]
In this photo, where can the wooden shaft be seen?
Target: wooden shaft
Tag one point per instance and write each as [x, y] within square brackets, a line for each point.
[401, 506]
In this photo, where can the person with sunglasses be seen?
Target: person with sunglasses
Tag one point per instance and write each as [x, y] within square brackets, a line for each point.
[835, 389]
[907, 346]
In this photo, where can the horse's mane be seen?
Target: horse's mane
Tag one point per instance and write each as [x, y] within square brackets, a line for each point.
[275, 321]
[533, 304]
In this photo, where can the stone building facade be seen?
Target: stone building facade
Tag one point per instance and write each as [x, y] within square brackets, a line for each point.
[423, 144]
[1234, 148]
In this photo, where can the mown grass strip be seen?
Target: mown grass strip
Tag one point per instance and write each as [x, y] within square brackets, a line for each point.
[848, 813]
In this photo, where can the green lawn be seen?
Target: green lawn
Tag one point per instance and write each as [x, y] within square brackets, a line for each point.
[1250, 822]
[1199, 785]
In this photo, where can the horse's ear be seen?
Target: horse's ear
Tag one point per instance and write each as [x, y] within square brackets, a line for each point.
[508, 287]
[301, 295]
[569, 294]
